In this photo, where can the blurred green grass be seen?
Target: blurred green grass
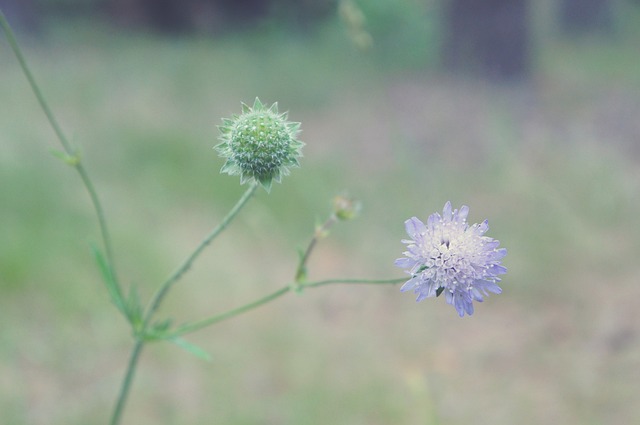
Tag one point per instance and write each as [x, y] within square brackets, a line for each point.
[552, 165]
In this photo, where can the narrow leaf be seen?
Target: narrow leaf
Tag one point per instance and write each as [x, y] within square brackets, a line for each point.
[157, 331]
[161, 327]
[191, 348]
[134, 307]
[109, 281]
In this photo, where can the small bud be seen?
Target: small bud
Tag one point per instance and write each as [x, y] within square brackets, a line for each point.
[346, 208]
[259, 144]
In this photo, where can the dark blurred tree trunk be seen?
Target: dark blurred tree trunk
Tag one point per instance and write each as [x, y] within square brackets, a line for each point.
[302, 15]
[163, 15]
[167, 15]
[582, 16]
[189, 15]
[23, 16]
[216, 15]
[488, 38]
[244, 12]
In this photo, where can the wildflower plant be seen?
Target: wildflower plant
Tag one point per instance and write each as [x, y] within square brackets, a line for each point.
[444, 255]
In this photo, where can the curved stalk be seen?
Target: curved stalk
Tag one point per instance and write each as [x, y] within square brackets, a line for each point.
[177, 274]
[156, 300]
[356, 281]
[102, 222]
[318, 234]
[189, 328]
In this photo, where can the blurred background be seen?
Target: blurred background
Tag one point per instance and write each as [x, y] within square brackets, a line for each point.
[528, 112]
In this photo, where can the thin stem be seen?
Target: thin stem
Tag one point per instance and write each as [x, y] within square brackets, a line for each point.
[157, 298]
[229, 314]
[261, 301]
[355, 281]
[126, 383]
[65, 144]
[102, 222]
[34, 86]
[319, 233]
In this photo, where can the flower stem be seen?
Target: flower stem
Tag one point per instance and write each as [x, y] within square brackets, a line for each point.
[229, 314]
[65, 144]
[189, 328]
[355, 281]
[318, 234]
[32, 82]
[126, 383]
[157, 298]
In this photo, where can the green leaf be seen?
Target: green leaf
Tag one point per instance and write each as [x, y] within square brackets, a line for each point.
[72, 160]
[157, 331]
[160, 328]
[191, 348]
[301, 274]
[266, 183]
[109, 281]
[134, 308]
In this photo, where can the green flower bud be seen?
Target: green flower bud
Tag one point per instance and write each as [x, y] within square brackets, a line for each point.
[259, 144]
[346, 208]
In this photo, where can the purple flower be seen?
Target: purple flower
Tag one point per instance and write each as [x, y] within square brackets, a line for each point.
[447, 255]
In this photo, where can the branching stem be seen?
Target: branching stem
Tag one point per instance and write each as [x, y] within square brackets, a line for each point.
[68, 149]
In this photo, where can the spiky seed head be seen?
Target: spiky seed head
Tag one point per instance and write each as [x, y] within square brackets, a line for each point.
[259, 144]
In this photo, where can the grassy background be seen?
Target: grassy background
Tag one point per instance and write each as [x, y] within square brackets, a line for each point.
[552, 164]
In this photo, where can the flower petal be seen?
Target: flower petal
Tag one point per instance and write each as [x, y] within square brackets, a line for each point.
[414, 227]
[446, 211]
[405, 263]
[410, 284]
